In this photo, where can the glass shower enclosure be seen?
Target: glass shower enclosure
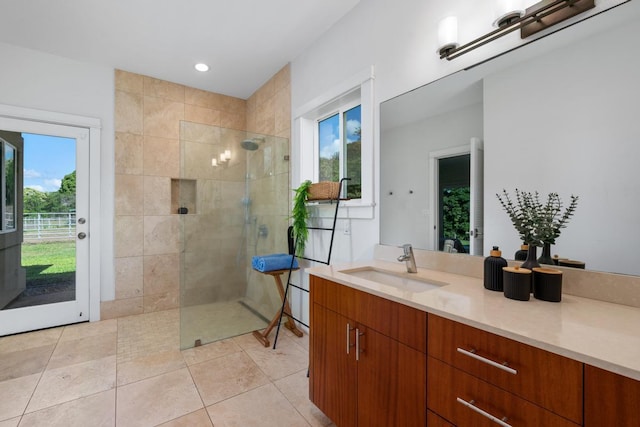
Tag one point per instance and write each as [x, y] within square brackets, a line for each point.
[233, 200]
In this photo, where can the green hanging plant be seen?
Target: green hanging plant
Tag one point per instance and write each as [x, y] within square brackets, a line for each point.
[300, 215]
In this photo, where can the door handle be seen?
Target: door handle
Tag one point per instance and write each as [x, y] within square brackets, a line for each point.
[82, 235]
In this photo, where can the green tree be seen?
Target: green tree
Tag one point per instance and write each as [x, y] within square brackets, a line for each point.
[68, 185]
[34, 200]
[10, 183]
[455, 211]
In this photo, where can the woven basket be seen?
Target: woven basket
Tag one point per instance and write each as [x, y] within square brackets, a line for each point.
[325, 190]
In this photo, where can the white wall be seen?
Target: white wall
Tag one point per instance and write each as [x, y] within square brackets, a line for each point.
[46, 82]
[406, 167]
[399, 39]
[576, 130]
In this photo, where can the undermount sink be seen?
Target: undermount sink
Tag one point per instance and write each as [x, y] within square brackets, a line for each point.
[399, 280]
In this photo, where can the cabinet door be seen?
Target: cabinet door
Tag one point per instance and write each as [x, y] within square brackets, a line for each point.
[333, 373]
[610, 399]
[391, 382]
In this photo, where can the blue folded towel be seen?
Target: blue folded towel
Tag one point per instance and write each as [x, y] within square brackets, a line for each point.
[273, 262]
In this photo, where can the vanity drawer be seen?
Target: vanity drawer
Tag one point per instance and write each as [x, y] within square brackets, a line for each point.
[465, 400]
[549, 380]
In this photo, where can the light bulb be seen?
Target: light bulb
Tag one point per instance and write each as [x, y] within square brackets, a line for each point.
[508, 11]
[447, 34]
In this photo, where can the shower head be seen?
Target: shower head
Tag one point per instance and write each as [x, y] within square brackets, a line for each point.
[251, 144]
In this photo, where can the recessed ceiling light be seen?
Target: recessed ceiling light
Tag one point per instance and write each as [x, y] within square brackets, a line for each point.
[202, 67]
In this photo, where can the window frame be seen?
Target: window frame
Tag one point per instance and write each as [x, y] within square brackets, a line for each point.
[358, 89]
[340, 111]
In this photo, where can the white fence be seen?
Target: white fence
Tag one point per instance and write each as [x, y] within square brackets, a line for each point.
[49, 226]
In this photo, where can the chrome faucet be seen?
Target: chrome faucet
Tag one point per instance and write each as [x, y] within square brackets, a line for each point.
[409, 258]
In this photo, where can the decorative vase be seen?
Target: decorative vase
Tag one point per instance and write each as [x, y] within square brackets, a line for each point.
[493, 265]
[521, 255]
[531, 262]
[545, 258]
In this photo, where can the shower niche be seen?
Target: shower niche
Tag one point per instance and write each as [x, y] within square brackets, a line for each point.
[183, 196]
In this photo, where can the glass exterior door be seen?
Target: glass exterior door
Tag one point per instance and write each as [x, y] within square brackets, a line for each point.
[44, 248]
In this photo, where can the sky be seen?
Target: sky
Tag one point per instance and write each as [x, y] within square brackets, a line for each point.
[329, 134]
[47, 159]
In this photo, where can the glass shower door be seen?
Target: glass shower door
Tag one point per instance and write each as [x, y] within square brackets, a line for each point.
[232, 197]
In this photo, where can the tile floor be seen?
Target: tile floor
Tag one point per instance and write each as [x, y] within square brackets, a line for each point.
[130, 372]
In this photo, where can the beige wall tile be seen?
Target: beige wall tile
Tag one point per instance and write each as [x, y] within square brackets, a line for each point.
[129, 277]
[128, 153]
[162, 117]
[196, 114]
[282, 109]
[282, 78]
[120, 308]
[161, 274]
[129, 82]
[265, 92]
[233, 120]
[196, 132]
[162, 301]
[129, 236]
[161, 156]
[129, 112]
[200, 98]
[157, 195]
[129, 195]
[265, 118]
[161, 235]
[231, 104]
[163, 89]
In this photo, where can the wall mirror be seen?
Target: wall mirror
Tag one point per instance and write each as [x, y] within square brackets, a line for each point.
[558, 115]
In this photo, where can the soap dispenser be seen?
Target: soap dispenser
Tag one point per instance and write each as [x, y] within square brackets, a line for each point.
[493, 265]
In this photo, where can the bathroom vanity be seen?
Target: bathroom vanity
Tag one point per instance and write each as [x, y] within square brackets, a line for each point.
[395, 353]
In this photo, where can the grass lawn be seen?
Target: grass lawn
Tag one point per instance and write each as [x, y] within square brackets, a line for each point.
[49, 262]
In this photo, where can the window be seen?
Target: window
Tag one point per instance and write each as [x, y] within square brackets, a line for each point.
[333, 139]
[340, 151]
[8, 188]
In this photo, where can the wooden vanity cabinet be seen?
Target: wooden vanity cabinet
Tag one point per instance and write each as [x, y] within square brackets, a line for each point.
[367, 358]
[610, 399]
[470, 371]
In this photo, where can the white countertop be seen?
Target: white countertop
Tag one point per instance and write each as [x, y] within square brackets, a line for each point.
[598, 333]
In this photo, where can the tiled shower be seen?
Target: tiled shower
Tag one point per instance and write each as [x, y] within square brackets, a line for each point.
[231, 209]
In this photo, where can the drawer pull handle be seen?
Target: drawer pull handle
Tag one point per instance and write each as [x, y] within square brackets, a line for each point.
[358, 335]
[474, 355]
[470, 405]
[349, 345]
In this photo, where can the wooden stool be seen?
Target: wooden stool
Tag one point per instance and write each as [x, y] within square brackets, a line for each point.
[290, 324]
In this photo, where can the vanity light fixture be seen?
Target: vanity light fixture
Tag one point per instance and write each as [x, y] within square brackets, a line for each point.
[201, 67]
[508, 11]
[447, 35]
[537, 17]
[214, 162]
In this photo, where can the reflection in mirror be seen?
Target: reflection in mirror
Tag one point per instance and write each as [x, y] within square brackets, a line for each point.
[564, 120]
